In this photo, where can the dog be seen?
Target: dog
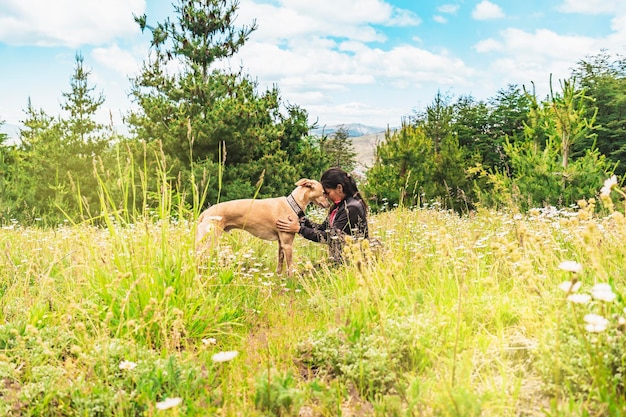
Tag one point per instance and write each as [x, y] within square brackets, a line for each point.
[258, 217]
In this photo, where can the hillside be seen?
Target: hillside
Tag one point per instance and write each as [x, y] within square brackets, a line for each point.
[364, 138]
[365, 148]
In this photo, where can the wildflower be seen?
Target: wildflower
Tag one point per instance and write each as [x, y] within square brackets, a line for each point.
[595, 323]
[603, 292]
[209, 341]
[169, 403]
[571, 266]
[569, 286]
[127, 365]
[579, 298]
[225, 356]
[608, 185]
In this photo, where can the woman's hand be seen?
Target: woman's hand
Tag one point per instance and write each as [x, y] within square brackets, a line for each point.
[288, 225]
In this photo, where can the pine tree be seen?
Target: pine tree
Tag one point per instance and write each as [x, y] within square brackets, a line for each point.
[340, 150]
[197, 111]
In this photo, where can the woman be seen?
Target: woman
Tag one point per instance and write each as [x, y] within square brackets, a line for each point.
[348, 214]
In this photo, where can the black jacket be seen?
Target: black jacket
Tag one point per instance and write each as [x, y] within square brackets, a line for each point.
[350, 219]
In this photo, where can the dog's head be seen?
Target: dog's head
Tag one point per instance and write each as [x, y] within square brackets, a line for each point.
[313, 192]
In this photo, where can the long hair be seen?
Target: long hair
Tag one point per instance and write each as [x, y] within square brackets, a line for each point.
[332, 177]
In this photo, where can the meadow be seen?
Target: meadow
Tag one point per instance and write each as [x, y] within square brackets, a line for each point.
[484, 314]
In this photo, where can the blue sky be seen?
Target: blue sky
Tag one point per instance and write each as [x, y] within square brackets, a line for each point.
[344, 61]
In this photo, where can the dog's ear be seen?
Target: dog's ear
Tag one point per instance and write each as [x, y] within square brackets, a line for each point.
[304, 183]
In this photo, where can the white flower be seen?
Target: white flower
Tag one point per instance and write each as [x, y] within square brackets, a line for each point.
[608, 185]
[595, 323]
[570, 266]
[209, 341]
[225, 356]
[569, 286]
[127, 365]
[579, 298]
[169, 403]
[603, 292]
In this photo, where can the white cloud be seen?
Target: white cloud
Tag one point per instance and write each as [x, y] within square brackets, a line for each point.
[448, 8]
[546, 44]
[440, 19]
[293, 21]
[488, 45]
[352, 12]
[67, 22]
[487, 10]
[119, 60]
[592, 6]
[526, 57]
[618, 24]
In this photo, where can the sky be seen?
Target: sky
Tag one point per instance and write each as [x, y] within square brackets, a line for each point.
[344, 61]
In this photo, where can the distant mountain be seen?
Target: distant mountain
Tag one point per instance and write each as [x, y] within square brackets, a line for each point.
[354, 130]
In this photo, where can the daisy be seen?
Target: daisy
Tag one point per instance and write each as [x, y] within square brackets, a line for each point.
[571, 266]
[603, 292]
[127, 365]
[169, 403]
[595, 323]
[569, 286]
[579, 298]
[608, 185]
[225, 356]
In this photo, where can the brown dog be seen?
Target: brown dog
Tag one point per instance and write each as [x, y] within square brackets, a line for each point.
[258, 217]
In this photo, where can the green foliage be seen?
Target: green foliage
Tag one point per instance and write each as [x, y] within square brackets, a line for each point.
[51, 172]
[403, 170]
[339, 150]
[461, 316]
[371, 358]
[449, 177]
[206, 117]
[589, 346]
[422, 163]
[437, 121]
[541, 173]
[276, 394]
[603, 77]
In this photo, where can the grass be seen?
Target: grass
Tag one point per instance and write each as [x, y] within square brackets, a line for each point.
[456, 316]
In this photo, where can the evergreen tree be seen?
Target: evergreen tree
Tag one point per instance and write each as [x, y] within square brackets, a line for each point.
[449, 179]
[403, 169]
[53, 166]
[508, 112]
[542, 172]
[604, 78]
[7, 163]
[437, 120]
[339, 149]
[569, 121]
[81, 127]
[204, 116]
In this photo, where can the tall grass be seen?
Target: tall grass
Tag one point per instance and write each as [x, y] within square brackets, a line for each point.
[455, 316]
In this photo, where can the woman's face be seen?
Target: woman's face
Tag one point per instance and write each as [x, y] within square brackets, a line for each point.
[334, 194]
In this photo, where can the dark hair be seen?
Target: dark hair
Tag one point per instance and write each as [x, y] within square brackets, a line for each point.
[332, 177]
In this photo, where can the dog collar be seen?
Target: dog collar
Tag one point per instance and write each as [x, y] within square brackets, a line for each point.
[295, 206]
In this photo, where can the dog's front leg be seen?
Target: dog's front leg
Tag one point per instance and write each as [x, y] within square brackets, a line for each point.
[281, 258]
[285, 251]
